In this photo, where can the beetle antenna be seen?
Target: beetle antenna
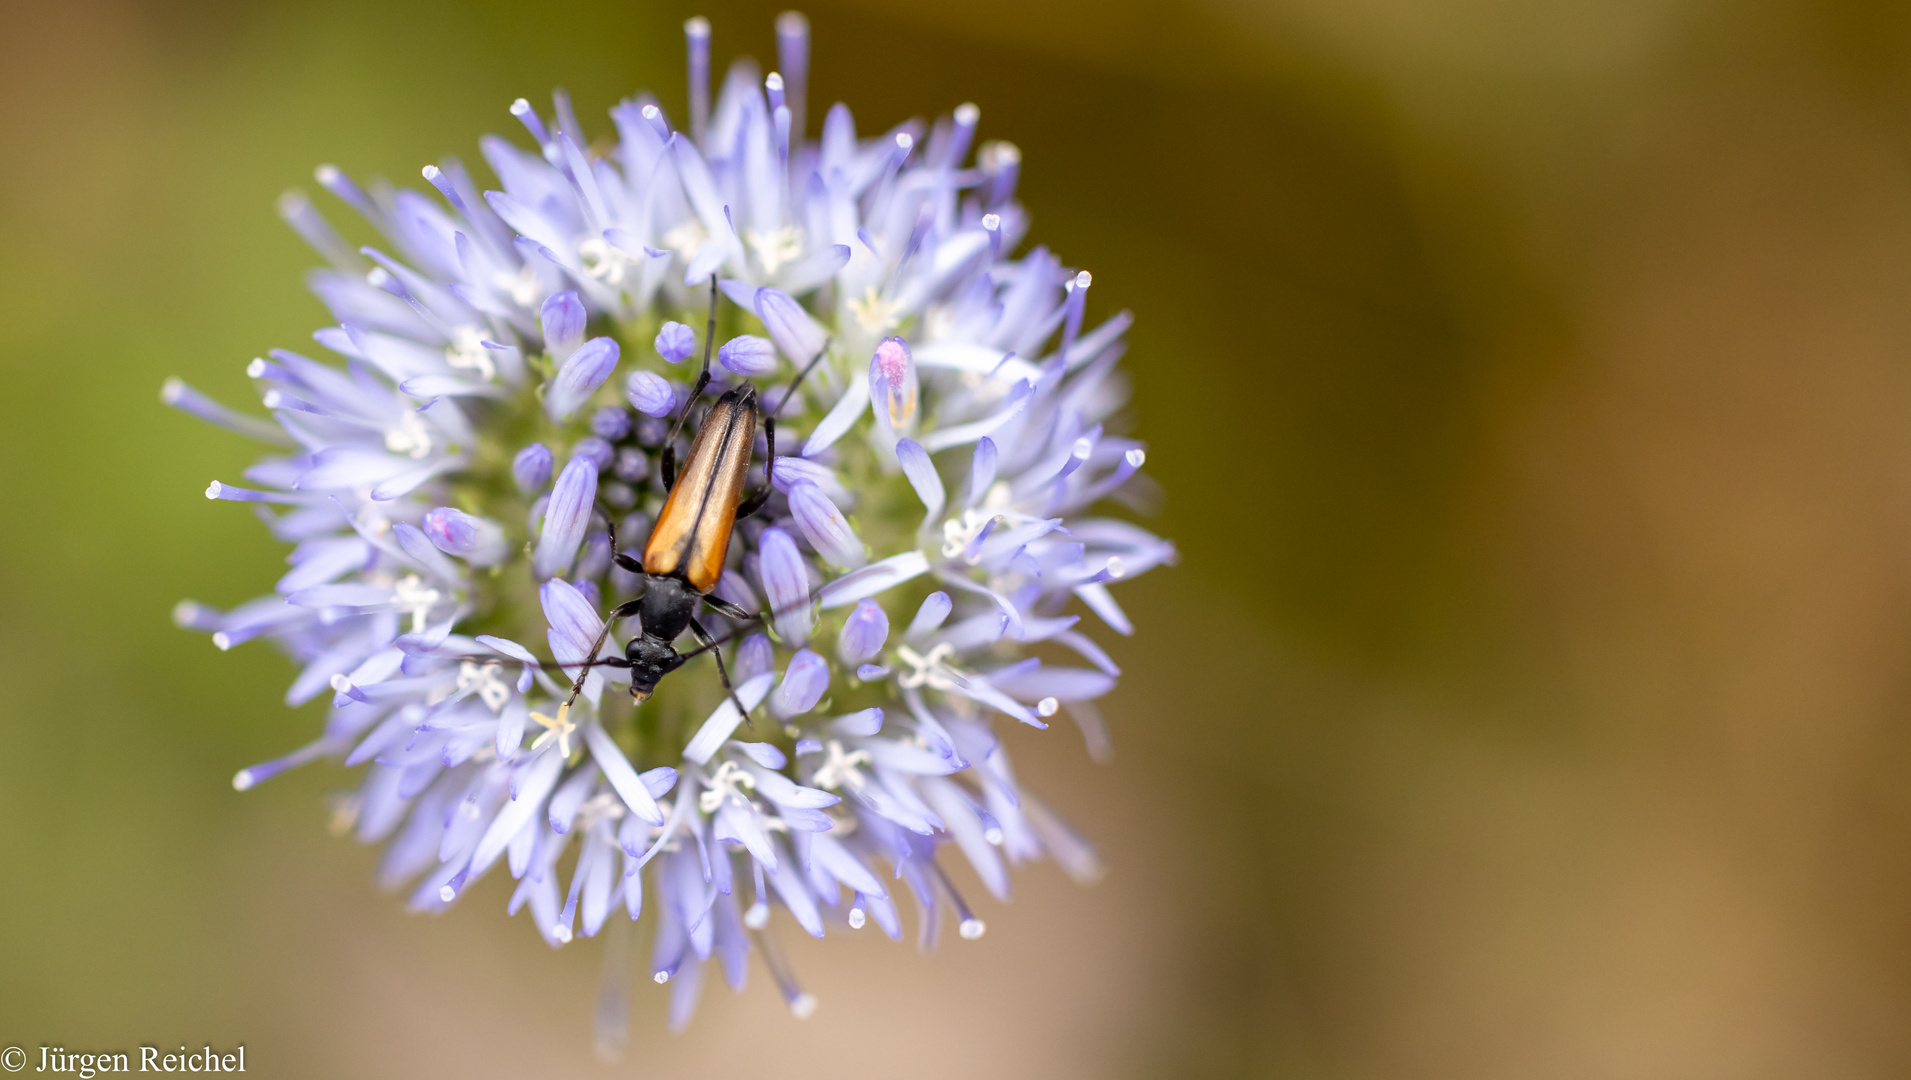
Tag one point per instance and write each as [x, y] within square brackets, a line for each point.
[603, 661]
[703, 377]
[756, 618]
[800, 376]
[623, 611]
[583, 672]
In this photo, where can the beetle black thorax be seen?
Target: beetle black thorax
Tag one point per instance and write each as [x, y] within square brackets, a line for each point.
[669, 604]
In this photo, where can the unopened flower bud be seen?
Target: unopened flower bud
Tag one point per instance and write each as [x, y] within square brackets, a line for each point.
[476, 540]
[579, 377]
[864, 633]
[675, 342]
[562, 317]
[748, 355]
[531, 468]
[649, 393]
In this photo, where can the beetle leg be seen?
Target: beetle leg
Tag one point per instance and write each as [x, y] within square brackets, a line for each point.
[705, 647]
[622, 560]
[622, 611]
[602, 661]
[755, 502]
[724, 607]
[723, 673]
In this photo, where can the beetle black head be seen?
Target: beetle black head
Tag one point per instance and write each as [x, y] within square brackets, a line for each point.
[650, 660]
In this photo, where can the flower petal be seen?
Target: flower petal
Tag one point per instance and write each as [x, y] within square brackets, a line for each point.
[725, 719]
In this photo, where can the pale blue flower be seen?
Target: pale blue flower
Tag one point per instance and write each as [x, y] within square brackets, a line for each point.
[940, 504]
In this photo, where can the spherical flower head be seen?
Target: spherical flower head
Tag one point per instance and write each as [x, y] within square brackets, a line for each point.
[508, 566]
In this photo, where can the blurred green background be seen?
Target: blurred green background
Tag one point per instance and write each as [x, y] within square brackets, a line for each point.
[1530, 381]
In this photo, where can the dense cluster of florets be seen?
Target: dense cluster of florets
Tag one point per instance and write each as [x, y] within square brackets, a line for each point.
[450, 484]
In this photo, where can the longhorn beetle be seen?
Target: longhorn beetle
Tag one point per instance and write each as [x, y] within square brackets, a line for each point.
[684, 557]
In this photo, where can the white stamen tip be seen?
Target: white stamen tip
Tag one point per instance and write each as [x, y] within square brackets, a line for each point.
[222, 641]
[378, 276]
[1136, 458]
[967, 114]
[651, 112]
[256, 368]
[758, 916]
[272, 399]
[773, 81]
[803, 1006]
[561, 932]
[1083, 280]
[697, 26]
[327, 174]
[431, 172]
[185, 613]
[994, 836]
[660, 978]
[904, 140]
[170, 391]
[242, 780]
[991, 222]
[857, 918]
[1047, 706]
[520, 107]
[447, 894]
[1084, 446]
[213, 489]
[972, 928]
[341, 684]
[1116, 568]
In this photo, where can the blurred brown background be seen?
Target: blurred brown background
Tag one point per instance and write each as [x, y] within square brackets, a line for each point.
[1531, 382]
